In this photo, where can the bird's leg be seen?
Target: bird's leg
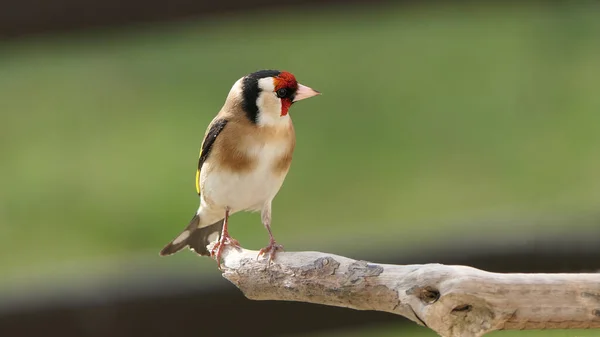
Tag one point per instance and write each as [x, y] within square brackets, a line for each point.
[273, 247]
[225, 239]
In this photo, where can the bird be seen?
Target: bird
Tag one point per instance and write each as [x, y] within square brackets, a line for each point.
[244, 158]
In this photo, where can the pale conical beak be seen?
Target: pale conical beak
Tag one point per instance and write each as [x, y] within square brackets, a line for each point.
[304, 92]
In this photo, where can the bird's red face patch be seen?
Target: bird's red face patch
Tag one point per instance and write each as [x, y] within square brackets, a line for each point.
[288, 82]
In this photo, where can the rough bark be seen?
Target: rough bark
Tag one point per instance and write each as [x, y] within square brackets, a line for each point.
[451, 300]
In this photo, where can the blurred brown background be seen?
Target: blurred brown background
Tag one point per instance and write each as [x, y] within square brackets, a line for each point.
[456, 133]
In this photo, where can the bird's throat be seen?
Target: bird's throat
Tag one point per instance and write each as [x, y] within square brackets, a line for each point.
[285, 106]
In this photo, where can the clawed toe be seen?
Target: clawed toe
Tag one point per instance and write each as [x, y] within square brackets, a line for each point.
[217, 249]
[271, 249]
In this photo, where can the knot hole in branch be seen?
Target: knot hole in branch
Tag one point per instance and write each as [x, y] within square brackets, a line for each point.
[429, 295]
[462, 308]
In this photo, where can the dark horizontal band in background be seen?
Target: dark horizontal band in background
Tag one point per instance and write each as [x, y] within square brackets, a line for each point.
[170, 304]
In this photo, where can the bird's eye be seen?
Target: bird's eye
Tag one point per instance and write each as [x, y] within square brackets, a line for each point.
[281, 93]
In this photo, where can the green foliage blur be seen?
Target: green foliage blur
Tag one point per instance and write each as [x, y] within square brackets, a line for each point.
[432, 119]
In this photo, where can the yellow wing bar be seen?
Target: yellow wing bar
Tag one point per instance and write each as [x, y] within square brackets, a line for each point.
[213, 131]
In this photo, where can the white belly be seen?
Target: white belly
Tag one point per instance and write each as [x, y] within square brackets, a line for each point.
[244, 191]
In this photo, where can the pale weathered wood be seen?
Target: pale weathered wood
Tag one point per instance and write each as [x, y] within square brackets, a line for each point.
[451, 300]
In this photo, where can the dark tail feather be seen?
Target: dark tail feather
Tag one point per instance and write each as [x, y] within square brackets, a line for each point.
[200, 238]
[196, 238]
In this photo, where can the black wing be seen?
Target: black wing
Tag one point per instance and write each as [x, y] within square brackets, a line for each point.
[215, 129]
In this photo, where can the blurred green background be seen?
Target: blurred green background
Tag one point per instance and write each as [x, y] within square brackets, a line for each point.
[433, 120]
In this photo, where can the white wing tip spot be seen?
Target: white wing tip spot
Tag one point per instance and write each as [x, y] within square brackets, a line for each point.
[184, 235]
[213, 237]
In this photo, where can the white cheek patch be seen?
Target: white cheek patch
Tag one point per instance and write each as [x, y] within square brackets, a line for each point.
[266, 84]
[269, 109]
[269, 105]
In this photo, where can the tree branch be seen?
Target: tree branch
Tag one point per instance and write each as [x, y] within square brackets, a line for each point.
[452, 300]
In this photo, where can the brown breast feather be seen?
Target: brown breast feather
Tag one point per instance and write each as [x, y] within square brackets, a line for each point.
[232, 146]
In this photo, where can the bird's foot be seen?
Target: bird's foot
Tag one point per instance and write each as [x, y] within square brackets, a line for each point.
[271, 249]
[217, 249]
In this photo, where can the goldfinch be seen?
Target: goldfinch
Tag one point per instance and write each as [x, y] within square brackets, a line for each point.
[244, 158]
